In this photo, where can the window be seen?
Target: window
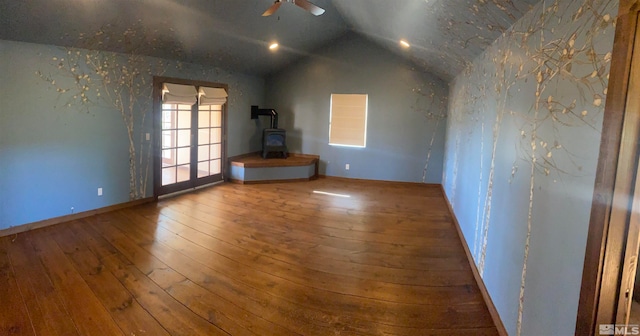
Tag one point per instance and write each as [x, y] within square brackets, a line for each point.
[348, 120]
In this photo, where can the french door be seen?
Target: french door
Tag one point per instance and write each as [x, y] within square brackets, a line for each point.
[189, 142]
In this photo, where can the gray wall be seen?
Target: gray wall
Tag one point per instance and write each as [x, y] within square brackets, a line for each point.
[406, 120]
[56, 149]
[4, 73]
[522, 145]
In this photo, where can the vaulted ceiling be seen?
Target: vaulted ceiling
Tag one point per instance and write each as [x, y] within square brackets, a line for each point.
[444, 34]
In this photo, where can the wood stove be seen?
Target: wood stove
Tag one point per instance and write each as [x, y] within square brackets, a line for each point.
[274, 144]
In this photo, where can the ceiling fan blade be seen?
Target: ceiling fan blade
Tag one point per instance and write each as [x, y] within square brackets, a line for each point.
[272, 9]
[308, 6]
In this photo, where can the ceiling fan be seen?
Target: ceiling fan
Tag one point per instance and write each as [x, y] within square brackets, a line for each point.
[304, 4]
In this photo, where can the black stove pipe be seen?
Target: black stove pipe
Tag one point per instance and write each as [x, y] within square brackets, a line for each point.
[255, 112]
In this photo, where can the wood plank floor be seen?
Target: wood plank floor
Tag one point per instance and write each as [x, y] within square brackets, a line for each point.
[275, 259]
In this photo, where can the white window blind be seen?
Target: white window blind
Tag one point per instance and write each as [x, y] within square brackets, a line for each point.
[179, 94]
[212, 96]
[348, 120]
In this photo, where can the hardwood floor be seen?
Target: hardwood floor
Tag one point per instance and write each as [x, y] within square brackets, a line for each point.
[275, 259]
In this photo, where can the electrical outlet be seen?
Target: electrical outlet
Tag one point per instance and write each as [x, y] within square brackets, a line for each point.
[148, 136]
[99, 191]
[346, 166]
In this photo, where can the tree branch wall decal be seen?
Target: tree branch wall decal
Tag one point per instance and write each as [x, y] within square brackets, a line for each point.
[544, 80]
[90, 79]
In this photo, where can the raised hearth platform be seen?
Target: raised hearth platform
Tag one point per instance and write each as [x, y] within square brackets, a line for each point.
[252, 168]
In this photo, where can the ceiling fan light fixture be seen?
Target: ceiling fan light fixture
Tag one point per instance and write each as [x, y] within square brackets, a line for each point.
[304, 4]
[274, 46]
[404, 44]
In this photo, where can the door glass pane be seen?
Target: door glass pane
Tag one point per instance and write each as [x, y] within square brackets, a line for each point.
[168, 175]
[203, 119]
[203, 169]
[203, 153]
[184, 155]
[184, 119]
[168, 157]
[167, 139]
[216, 119]
[216, 151]
[215, 167]
[216, 135]
[203, 136]
[168, 119]
[184, 138]
[184, 173]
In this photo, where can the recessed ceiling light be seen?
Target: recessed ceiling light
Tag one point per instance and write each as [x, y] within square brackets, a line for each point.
[273, 46]
[404, 44]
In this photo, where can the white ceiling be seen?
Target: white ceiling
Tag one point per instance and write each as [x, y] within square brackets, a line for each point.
[444, 34]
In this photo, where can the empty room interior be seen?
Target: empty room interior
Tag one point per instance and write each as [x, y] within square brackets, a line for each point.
[324, 167]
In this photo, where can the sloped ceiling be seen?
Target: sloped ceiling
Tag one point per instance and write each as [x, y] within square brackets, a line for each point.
[445, 34]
